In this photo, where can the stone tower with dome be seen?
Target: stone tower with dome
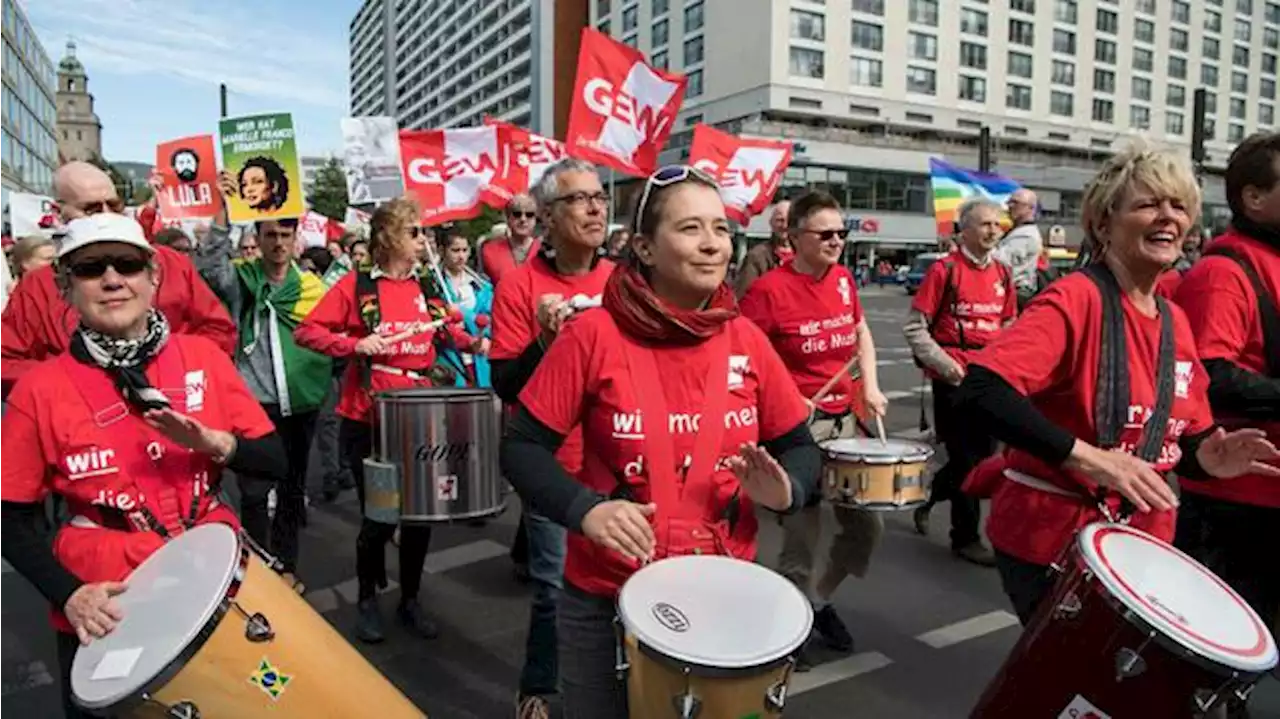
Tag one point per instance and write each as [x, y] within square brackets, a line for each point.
[79, 130]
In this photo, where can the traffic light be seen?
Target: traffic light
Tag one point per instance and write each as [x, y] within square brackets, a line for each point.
[1197, 126]
[986, 158]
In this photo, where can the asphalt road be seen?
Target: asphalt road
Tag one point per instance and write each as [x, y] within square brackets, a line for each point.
[931, 631]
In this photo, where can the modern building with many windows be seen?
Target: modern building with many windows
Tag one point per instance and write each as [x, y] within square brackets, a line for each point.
[870, 89]
[30, 150]
[451, 63]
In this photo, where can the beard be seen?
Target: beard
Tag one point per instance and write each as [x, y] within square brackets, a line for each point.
[187, 174]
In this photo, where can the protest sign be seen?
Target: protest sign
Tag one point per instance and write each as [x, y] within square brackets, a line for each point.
[260, 154]
[371, 159]
[188, 171]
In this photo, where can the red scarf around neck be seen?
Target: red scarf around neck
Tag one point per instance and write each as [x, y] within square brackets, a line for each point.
[640, 313]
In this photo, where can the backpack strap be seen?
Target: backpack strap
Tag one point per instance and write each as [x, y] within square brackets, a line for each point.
[1268, 314]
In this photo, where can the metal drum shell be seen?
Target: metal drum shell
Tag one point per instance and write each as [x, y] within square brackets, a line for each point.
[444, 442]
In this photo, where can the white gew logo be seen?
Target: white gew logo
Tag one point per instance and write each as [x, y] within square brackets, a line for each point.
[90, 463]
[633, 112]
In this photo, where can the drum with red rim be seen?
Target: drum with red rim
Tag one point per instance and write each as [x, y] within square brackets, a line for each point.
[1133, 628]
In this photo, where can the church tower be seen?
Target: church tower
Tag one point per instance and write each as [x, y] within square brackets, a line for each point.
[79, 130]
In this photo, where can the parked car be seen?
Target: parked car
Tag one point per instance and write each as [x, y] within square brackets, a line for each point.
[919, 266]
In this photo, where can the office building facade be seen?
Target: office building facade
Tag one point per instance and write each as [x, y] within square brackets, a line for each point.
[30, 148]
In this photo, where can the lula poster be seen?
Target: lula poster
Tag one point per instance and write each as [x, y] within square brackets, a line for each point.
[188, 170]
[261, 156]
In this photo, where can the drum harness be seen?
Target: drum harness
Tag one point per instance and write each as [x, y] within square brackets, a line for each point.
[442, 372]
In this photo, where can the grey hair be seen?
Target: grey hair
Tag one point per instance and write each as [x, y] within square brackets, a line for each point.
[548, 188]
[517, 198]
[972, 205]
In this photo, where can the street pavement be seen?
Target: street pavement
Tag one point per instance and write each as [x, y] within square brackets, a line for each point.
[930, 630]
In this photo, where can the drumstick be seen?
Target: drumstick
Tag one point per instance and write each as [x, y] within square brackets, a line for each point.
[418, 328]
[880, 431]
[835, 378]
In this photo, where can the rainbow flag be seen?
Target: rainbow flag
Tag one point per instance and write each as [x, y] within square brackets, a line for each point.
[953, 185]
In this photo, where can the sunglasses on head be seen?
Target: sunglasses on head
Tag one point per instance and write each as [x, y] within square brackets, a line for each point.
[828, 235]
[97, 267]
[665, 177]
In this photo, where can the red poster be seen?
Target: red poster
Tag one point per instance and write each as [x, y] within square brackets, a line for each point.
[623, 108]
[453, 173]
[189, 170]
[748, 169]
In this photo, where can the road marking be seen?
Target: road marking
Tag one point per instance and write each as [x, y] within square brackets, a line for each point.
[27, 677]
[464, 554]
[970, 628]
[348, 590]
[903, 393]
[833, 672]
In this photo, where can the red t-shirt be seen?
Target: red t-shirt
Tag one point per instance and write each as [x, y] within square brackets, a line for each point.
[1167, 285]
[334, 327]
[981, 301]
[585, 381]
[813, 324]
[1223, 310]
[497, 260]
[515, 320]
[38, 323]
[1051, 355]
[53, 441]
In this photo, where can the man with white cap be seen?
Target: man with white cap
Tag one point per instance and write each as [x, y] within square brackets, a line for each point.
[131, 427]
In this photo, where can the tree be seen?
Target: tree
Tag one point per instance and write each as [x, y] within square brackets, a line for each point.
[142, 194]
[328, 194]
[479, 226]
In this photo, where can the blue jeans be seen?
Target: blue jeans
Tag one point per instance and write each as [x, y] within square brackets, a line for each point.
[546, 569]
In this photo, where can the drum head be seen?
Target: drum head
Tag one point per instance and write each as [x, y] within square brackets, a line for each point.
[171, 596]
[1177, 596]
[872, 451]
[715, 612]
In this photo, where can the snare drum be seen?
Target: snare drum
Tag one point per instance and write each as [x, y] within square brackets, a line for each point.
[709, 637]
[870, 474]
[209, 631]
[435, 457]
[1133, 628]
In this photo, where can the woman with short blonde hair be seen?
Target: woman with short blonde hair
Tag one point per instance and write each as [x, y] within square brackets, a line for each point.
[1048, 386]
[32, 253]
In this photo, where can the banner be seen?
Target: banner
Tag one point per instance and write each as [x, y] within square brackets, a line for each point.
[623, 108]
[188, 170]
[371, 157]
[313, 230]
[453, 173]
[953, 185]
[261, 156]
[748, 170]
[532, 153]
[32, 215]
[357, 222]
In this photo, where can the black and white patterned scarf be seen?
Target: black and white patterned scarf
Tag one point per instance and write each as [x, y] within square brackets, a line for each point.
[126, 360]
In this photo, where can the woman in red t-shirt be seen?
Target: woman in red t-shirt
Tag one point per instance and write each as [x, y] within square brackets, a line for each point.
[810, 311]
[1035, 387]
[339, 327]
[668, 342]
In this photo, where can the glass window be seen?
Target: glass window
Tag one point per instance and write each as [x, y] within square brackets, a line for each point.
[1211, 49]
[1266, 114]
[1065, 11]
[1064, 41]
[1175, 96]
[1209, 75]
[1018, 97]
[1027, 6]
[1103, 110]
[973, 22]
[807, 63]
[1237, 108]
[973, 55]
[1271, 38]
[1211, 103]
[1104, 51]
[659, 33]
[659, 7]
[1239, 81]
[1244, 7]
[868, 36]
[694, 86]
[1178, 40]
[1020, 64]
[808, 26]
[1104, 81]
[1061, 103]
[1240, 56]
[870, 7]
[922, 80]
[1108, 21]
[659, 59]
[1146, 6]
[924, 12]
[1212, 21]
[1267, 87]
[693, 17]
[603, 8]
[1173, 123]
[630, 18]
[1181, 11]
[922, 47]
[633, 40]
[1243, 29]
[973, 89]
[1022, 33]
[1210, 128]
[1144, 31]
[1139, 117]
[1235, 133]
[1064, 73]
[1273, 13]
[865, 72]
[1140, 88]
[1269, 63]
[1143, 59]
[693, 51]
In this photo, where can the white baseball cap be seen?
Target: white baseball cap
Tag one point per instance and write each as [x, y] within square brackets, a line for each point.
[103, 227]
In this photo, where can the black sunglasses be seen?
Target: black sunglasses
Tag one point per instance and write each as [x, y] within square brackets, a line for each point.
[826, 235]
[518, 214]
[95, 268]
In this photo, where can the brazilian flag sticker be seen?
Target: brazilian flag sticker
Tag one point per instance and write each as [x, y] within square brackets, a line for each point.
[270, 679]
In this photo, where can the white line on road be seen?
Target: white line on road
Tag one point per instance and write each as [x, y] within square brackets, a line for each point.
[970, 628]
[464, 554]
[833, 672]
[901, 393]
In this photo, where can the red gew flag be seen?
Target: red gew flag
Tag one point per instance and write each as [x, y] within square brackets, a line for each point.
[188, 168]
[749, 170]
[532, 154]
[623, 108]
[453, 173]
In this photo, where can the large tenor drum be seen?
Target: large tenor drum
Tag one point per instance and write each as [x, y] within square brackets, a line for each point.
[209, 631]
[435, 457]
[709, 637]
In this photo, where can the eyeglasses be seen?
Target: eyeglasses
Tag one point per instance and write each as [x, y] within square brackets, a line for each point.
[665, 177]
[97, 267]
[416, 232]
[522, 215]
[579, 199]
[828, 235]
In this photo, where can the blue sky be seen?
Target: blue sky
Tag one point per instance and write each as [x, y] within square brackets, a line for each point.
[154, 65]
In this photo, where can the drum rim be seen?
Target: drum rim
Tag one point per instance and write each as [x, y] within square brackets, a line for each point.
[142, 694]
[922, 454]
[1184, 642]
[670, 659]
[409, 395]
[698, 669]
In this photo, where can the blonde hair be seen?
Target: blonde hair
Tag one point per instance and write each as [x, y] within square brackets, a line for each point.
[1164, 173]
[25, 248]
[388, 222]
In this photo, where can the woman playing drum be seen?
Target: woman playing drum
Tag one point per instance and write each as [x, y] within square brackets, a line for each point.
[132, 427]
[809, 309]
[668, 343]
[1052, 386]
[378, 316]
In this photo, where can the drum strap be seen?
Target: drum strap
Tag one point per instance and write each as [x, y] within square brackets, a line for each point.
[665, 490]
[1112, 395]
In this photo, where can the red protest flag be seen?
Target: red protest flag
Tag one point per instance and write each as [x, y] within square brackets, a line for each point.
[532, 154]
[749, 170]
[453, 173]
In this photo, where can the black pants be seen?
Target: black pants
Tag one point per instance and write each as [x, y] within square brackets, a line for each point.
[356, 441]
[966, 447]
[279, 536]
[520, 543]
[589, 681]
[67, 646]
[1238, 542]
[1025, 584]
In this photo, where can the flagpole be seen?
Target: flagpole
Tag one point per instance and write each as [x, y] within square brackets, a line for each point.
[611, 196]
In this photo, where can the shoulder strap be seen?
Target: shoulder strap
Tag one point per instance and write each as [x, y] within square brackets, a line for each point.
[945, 296]
[1268, 314]
[367, 299]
